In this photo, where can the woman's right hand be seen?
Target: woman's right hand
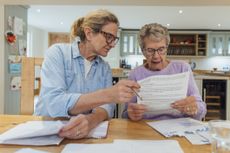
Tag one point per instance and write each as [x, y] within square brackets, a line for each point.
[136, 111]
[78, 127]
[122, 92]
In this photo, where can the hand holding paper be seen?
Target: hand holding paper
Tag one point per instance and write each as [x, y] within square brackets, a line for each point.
[158, 92]
[136, 111]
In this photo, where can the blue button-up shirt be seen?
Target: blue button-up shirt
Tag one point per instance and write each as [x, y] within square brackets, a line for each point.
[63, 80]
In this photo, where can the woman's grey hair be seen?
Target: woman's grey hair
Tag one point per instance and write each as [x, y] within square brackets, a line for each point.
[95, 20]
[153, 31]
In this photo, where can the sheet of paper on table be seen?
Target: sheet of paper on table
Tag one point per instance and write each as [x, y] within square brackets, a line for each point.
[30, 150]
[40, 133]
[126, 146]
[195, 131]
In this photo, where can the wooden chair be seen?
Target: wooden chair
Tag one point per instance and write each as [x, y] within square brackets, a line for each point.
[28, 84]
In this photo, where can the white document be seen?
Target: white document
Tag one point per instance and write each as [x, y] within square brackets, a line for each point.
[158, 92]
[100, 131]
[30, 150]
[40, 133]
[33, 133]
[195, 131]
[148, 146]
[127, 146]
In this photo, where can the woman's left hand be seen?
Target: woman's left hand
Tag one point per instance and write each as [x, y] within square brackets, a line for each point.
[78, 127]
[187, 105]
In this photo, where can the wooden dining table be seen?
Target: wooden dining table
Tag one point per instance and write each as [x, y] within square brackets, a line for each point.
[118, 129]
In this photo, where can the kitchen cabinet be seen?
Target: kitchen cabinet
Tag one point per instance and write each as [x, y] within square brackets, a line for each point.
[219, 44]
[182, 43]
[129, 43]
[188, 44]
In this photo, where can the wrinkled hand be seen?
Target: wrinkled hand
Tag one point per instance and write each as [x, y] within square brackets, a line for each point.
[78, 127]
[187, 106]
[136, 111]
[122, 92]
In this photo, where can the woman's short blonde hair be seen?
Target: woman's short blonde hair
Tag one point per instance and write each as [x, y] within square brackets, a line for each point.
[153, 31]
[95, 20]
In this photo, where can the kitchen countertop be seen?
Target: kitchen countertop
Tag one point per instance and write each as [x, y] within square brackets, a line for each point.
[210, 74]
[203, 74]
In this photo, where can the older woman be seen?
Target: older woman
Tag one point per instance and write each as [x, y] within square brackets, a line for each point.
[77, 82]
[154, 40]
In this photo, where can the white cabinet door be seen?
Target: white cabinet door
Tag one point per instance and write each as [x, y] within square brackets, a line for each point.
[228, 45]
[219, 44]
[129, 43]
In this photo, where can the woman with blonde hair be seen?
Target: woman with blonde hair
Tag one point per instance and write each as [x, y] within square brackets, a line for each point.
[77, 82]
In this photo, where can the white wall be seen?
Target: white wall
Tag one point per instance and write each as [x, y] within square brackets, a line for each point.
[212, 62]
[2, 61]
[207, 63]
[38, 41]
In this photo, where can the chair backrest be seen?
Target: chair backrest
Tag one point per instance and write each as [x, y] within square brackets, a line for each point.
[28, 84]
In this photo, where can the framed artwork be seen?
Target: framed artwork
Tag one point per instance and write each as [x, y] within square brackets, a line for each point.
[58, 37]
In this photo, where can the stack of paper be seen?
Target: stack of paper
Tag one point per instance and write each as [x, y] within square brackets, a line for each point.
[127, 146]
[33, 133]
[195, 131]
[43, 133]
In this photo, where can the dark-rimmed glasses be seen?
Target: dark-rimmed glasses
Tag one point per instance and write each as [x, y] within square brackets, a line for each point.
[109, 38]
[151, 51]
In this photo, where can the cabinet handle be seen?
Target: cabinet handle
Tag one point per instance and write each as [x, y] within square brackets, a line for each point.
[204, 95]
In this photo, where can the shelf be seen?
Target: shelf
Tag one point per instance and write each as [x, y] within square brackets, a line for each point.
[213, 111]
[202, 40]
[213, 97]
[207, 118]
[177, 44]
[213, 104]
[191, 44]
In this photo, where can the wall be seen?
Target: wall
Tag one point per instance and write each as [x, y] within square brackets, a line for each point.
[12, 98]
[210, 62]
[206, 63]
[2, 62]
[38, 41]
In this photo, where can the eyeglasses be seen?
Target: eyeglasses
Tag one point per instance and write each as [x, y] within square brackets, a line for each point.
[109, 37]
[151, 51]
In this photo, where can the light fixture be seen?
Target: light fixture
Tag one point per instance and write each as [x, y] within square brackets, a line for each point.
[61, 23]
[219, 25]
[168, 25]
[180, 11]
[38, 10]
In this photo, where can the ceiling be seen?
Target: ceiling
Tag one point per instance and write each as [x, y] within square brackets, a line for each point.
[132, 17]
[121, 2]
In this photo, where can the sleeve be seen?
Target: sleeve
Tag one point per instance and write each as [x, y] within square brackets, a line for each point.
[54, 88]
[108, 83]
[193, 91]
[133, 100]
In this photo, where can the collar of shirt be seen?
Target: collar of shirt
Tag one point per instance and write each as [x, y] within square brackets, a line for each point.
[76, 53]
